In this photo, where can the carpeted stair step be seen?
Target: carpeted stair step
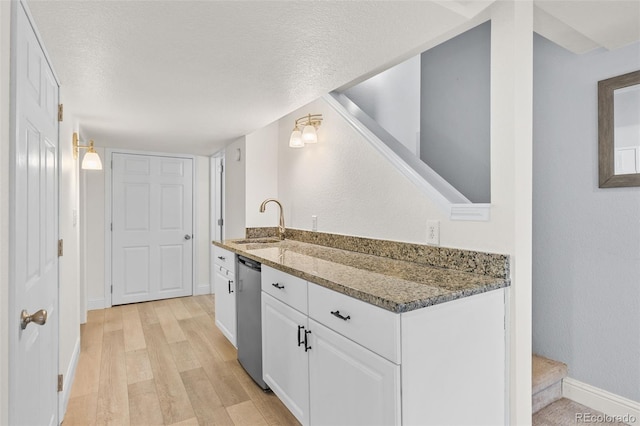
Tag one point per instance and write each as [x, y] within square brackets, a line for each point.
[546, 381]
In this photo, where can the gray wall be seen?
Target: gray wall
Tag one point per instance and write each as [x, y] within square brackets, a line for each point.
[455, 112]
[392, 99]
[586, 242]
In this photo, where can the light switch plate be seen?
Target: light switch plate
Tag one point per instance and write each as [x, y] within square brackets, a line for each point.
[314, 222]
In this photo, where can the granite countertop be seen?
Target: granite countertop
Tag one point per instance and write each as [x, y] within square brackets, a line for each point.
[395, 285]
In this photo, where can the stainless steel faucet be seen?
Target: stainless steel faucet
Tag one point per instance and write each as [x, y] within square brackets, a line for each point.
[281, 229]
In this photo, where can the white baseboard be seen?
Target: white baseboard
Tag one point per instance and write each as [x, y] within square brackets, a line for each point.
[602, 400]
[92, 305]
[203, 289]
[69, 375]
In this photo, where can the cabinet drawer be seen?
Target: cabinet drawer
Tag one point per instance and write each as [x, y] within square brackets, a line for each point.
[224, 258]
[286, 288]
[224, 271]
[366, 324]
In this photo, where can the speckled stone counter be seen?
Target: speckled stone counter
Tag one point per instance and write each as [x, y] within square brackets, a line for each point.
[400, 277]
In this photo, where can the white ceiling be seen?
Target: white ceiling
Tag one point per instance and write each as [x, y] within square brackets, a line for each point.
[190, 76]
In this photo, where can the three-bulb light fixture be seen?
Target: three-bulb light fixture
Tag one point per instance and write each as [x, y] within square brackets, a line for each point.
[91, 159]
[305, 130]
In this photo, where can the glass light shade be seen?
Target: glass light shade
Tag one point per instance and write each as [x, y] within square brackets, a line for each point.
[296, 139]
[309, 134]
[91, 161]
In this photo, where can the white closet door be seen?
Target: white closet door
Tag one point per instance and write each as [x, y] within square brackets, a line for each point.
[152, 234]
[33, 365]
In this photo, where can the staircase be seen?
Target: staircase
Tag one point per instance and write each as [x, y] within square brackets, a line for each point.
[546, 381]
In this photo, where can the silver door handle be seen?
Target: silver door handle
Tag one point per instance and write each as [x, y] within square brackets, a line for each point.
[39, 317]
[187, 236]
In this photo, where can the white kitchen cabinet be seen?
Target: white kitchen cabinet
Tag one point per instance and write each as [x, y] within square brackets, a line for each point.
[285, 363]
[225, 293]
[349, 384]
[439, 365]
[321, 376]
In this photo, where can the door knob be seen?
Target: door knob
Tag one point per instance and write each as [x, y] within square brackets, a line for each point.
[187, 236]
[39, 318]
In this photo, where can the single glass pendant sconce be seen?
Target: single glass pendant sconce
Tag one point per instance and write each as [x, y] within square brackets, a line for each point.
[91, 160]
[295, 141]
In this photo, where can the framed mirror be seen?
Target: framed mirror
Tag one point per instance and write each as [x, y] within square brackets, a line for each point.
[619, 131]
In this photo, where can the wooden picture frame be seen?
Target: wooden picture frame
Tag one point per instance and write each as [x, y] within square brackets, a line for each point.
[606, 130]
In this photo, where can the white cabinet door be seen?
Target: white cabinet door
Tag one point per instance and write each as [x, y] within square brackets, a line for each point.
[285, 363]
[152, 227]
[350, 385]
[225, 296]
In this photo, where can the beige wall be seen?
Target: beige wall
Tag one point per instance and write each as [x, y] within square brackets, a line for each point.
[69, 272]
[261, 176]
[235, 189]
[92, 199]
[201, 229]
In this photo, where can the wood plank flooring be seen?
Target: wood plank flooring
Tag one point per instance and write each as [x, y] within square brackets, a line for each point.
[164, 363]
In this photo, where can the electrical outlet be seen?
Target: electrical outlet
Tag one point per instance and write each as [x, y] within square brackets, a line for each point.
[433, 232]
[314, 222]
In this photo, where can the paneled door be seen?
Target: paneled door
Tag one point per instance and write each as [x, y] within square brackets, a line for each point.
[152, 227]
[33, 292]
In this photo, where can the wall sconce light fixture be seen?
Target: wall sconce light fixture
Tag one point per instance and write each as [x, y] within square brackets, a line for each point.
[91, 160]
[309, 133]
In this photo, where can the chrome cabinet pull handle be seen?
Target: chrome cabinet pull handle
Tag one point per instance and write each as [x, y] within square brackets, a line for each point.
[278, 286]
[229, 283]
[221, 257]
[337, 314]
[187, 237]
[39, 317]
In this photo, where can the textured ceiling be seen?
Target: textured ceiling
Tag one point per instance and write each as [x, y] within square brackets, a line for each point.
[189, 76]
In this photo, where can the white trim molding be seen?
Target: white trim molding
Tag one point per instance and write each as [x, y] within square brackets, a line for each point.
[202, 288]
[69, 375]
[623, 409]
[471, 212]
[92, 305]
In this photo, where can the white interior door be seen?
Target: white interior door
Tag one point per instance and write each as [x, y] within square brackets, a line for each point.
[152, 227]
[33, 364]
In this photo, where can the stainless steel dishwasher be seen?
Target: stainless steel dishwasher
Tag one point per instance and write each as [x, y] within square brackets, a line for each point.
[249, 319]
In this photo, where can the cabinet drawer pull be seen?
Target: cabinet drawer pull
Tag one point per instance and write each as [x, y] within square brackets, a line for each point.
[300, 341]
[306, 346]
[278, 286]
[337, 314]
[222, 258]
[229, 282]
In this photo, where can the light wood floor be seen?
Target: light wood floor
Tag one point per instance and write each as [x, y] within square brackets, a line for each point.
[164, 362]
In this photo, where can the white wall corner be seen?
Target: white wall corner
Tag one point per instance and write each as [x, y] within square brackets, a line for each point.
[601, 400]
[69, 375]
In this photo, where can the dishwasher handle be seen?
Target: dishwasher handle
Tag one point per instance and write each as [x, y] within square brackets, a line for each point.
[249, 263]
